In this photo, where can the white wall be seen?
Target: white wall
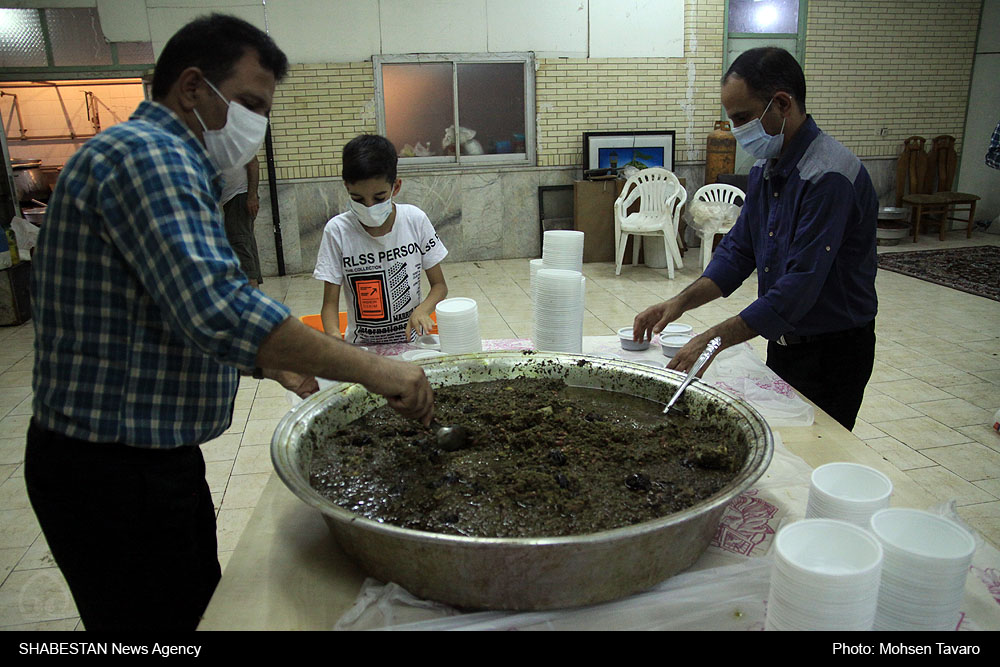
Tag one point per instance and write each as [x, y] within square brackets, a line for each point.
[323, 31]
[982, 117]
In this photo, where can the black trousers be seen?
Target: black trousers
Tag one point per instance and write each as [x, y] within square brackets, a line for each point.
[831, 372]
[133, 530]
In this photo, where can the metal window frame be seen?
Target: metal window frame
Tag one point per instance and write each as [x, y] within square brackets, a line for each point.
[526, 59]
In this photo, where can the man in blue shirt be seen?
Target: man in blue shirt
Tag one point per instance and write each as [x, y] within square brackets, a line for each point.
[808, 228]
[143, 323]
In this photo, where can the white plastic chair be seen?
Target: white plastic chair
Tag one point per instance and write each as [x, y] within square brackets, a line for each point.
[661, 198]
[718, 192]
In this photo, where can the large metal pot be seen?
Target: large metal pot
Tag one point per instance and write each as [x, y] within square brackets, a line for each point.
[526, 573]
[29, 181]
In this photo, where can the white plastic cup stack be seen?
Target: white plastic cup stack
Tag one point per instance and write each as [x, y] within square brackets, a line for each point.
[458, 326]
[558, 311]
[847, 491]
[563, 249]
[534, 266]
[825, 577]
[927, 558]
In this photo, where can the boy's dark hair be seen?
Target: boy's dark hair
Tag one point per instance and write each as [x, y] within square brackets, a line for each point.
[369, 156]
[768, 70]
[214, 44]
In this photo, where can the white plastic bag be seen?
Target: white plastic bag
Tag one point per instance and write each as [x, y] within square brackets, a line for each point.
[708, 217]
[738, 369]
[723, 598]
[27, 236]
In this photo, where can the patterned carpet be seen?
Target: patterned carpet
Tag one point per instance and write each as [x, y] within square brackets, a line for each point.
[975, 270]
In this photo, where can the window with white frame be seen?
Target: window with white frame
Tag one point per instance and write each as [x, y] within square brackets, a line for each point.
[489, 98]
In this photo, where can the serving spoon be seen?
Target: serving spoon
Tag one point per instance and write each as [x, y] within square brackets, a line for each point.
[710, 349]
[450, 438]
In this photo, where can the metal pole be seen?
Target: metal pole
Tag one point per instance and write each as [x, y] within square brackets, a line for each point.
[272, 187]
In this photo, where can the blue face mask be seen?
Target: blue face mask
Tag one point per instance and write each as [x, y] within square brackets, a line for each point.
[758, 143]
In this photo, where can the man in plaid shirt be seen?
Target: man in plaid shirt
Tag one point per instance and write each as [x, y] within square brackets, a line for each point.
[143, 322]
[993, 152]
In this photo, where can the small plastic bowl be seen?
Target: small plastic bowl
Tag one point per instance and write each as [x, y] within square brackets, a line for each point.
[625, 336]
[672, 344]
[428, 342]
[677, 328]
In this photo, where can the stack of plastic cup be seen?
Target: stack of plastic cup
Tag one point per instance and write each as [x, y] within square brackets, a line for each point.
[558, 313]
[825, 577]
[534, 267]
[458, 326]
[927, 558]
[563, 249]
[847, 491]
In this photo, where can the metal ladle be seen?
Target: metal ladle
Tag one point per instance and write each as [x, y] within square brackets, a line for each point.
[450, 438]
[710, 349]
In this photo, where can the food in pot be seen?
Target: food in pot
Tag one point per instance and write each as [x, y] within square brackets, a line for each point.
[543, 460]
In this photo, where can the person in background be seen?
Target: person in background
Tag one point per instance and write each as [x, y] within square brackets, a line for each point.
[143, 323]
[240, 205]
[808, 228]
[379, 249]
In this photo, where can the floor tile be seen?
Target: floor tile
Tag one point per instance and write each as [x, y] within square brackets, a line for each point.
[946, 485]
[954, 412]
[899, 454]
[921, 432]
[970, 461]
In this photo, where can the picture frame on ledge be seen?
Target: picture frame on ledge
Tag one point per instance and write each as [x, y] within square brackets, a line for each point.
[615, 150]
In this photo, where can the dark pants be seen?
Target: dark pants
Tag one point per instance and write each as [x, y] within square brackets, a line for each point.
[239, 231]
[133, 530]
[831, 372]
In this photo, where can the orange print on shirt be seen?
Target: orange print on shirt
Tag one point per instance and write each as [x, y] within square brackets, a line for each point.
[370, 302]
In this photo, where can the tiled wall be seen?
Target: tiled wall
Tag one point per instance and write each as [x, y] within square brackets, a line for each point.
[50, 110]
[895, 64]
[317, 110]
[593, 95]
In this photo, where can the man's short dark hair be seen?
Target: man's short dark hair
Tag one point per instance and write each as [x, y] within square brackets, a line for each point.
[214, 44]
[768, 70]
[369, 156]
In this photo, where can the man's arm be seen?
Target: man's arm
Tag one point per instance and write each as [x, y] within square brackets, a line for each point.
[652, 320]
[293, 346]
[253, 180]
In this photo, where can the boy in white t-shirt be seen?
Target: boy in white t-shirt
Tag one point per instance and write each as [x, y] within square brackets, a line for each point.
[378, 249]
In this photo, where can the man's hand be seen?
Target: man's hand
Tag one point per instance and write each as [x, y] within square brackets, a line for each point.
[406, 388]
[302, 385]
[687, 355]
[651, 321]
[253, 204]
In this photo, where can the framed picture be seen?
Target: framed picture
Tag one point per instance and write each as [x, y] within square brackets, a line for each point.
[614, 150]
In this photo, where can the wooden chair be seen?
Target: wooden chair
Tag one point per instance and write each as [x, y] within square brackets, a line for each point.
[923, 182]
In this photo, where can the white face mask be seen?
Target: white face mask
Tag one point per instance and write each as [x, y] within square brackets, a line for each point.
[372, 216]
[235, 144]
[758, 143]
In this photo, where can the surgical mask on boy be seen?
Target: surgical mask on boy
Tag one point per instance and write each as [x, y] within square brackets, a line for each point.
[372, 216]
[758, 143]
[235, 144]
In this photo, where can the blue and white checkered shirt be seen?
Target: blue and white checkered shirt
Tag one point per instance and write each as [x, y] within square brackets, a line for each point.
[142, 315]
[993, 152]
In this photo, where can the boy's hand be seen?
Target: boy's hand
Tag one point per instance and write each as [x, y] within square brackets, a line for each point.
[420, 321]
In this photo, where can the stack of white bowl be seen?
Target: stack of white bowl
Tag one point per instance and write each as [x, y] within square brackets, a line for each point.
[825, 577]
[927, 558]
[458, 326]
[847, 491]
[558, 311]
[563, 249]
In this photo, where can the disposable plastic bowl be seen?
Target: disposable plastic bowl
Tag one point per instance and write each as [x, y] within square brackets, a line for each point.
[672, 344]
[625, 336]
